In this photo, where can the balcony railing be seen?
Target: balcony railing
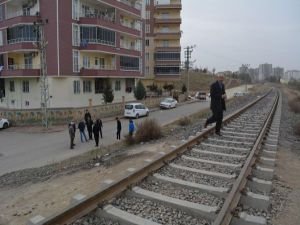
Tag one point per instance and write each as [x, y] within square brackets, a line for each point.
[129, 47]
[22, 39]
[110, 17]
[132, 4]
[24, 66]
[85, 42]
[134, 26]
[24, 12]
[129, 68]
[99, 67]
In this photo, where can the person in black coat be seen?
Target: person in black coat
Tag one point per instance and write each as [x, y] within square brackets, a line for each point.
[119, 128]
[89, 126]
[96, 129]
[217, 105]
[87, 116]
[100, 127]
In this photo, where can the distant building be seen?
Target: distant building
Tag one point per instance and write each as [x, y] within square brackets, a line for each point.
[244, 69]
[253, 72]
[278, 72]
[292, 74]
[265, 71]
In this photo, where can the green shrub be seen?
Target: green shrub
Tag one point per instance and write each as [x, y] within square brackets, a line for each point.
[294, 104]
[139, 91]
[148, 130]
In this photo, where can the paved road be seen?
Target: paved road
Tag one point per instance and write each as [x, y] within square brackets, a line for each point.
[20, 150]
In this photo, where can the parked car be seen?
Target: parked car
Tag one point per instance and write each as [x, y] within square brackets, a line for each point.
[201, 95]
[135, 110]
[4, 123]
[168, 103]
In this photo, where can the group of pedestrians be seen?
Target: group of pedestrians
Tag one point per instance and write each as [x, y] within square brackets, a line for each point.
[94, 129]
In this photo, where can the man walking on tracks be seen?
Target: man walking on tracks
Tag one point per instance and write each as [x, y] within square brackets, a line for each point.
[72, 129]
[217, 105]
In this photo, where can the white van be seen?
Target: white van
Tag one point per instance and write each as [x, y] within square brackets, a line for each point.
[136, 110]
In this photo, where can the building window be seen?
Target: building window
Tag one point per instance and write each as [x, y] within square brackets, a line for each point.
[97, 35]
[147, 28]
[148, 15]
[76, 86]
[167, 56]
[1, 37]
[25, 85]
[21, 33]
[129, 85]
[12, 102]
[147, 56]
[99, 86]
[75, 9]
[147, 70]
[12, 86]
[28, 60]
[86, 62]
[167, 70]
[129, 63]
[2, 12]
[147, 2]
[118, 85]
[75, 61]
[75, 35]
[87, 86]
[26, 103]
[165, 43]
[147, 42]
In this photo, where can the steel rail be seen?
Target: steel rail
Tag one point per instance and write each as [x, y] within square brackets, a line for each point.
[91, 202]
[225, 215]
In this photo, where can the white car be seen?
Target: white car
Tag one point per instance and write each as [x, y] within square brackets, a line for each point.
[4, 123]
[135, 110]
[168, 103]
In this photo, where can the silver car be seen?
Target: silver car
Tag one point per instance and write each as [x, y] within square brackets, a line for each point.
[4, 123]
[168, 103]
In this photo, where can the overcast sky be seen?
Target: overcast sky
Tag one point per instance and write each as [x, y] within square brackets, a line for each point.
[228, 33]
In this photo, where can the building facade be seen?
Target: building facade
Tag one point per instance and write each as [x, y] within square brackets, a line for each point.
[162, 41]
[292, 74]
[88, 43]
[265, 71]
[278, 72]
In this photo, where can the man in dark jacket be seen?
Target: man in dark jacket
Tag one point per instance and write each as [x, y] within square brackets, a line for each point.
[217, 105]
[72, 130]
[100, 127]
[81, 127]
[119, 128]
[87, 116]
[96, 128]
[89, 126]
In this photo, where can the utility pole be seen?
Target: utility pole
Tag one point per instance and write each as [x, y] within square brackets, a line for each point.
[41, 44]
[188, 55]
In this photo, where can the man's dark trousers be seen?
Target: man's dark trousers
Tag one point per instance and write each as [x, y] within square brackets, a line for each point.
[216, 117]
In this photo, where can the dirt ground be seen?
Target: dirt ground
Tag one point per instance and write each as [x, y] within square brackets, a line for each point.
[20, 204]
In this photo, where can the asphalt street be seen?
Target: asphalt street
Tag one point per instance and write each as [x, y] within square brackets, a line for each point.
[20, 149]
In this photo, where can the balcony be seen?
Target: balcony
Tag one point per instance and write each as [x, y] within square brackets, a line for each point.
[98, 71]
[168, 20]
[126, 5]
[22, 70]
[160, 34]
[168, 49]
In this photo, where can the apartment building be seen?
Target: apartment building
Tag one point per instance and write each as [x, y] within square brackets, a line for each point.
[265, 71]
[89, 41]
[162, 41]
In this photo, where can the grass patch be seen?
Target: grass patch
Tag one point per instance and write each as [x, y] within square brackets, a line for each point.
[184, 121]
[294, 104]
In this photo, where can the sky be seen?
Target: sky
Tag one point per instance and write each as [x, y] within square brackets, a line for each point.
[229, 33]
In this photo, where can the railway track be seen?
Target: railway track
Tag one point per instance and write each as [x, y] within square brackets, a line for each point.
[208, 180]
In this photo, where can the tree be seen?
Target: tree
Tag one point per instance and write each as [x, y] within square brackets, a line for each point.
[108, 93]
[139, 91]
